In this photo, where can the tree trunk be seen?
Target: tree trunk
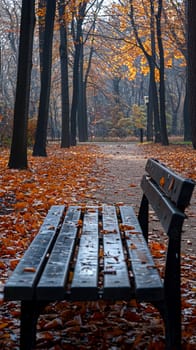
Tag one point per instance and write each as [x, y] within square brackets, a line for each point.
[192, 67]
[188, 37]
[65, 132]
[41, 130]
[1, 90]
[186, 116]
[174, 101]
[41, 20]
[164, 137]
[85, 85]
[81, 100]
[152, 110]
[18, 154]
[77, 41]
[153, 105]
[74, 106]
[85, 112]
[153, 85]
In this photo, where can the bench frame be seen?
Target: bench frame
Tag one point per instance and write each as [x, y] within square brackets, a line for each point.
[42, 275]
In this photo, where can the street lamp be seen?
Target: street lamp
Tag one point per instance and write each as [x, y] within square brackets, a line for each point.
[146, 101]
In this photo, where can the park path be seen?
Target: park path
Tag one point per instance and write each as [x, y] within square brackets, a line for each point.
[124, 165]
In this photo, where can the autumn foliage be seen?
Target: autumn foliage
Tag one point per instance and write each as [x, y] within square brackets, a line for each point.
[181, 159]
[73, 176]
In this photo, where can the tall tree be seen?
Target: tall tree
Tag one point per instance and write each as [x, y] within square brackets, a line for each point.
[39, 148]
[192, 67]
[41, 21]
[77, 35]
[86, 60]
[153, 94]
[85, 117]
[65, 131]
[150, 57]
[175, 15]
[0, 81]
[18, 154]
[164, 136]
[82, 125]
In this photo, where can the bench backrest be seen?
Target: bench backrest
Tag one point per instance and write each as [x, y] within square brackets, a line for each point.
[168, 194]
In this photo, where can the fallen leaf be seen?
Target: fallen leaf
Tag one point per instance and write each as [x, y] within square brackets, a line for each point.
[56, 323]
[29, 269]
[162, 181]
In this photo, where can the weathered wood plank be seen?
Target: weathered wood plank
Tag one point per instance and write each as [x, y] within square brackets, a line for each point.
[170, 217]
[148, 285]
[116, 279]
[52, 283]
[178, 189]
[21, 284]
[85, 280]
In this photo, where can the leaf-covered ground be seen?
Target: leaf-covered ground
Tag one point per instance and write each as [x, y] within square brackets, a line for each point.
[72, 176]
[181, 158]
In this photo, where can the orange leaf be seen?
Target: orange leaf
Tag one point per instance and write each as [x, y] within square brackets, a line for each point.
[13, 263]
[29, 269]
[20, 205]
[162, 181]
[56, 323]
[133, 246]
[3, 325]
[125, 227]
[2, 265]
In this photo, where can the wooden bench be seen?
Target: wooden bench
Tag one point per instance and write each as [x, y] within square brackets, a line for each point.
[90, 253]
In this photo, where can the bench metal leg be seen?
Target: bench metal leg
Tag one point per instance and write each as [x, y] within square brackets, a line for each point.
[170, 309]
[173, 295]
[30, 311]
[172, 322]
[143, 216]
[173, 332]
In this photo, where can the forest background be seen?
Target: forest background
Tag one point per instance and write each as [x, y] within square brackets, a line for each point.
[91, 70]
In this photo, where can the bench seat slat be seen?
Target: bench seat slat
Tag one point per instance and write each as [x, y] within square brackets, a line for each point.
[52, 283]
[116, 278]
[85, 280]
[21, 284]
[148, 285]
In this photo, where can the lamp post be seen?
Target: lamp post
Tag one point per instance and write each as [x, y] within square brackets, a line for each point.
[146, 101]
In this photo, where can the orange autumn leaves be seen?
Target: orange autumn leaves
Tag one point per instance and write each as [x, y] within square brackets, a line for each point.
[181, 159]
[65, 176]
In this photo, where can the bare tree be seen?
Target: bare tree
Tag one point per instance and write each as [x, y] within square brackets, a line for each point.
[192, 67]
[39, 148]
[65, 132]
[164, 136]
[77, 33]
[153, 97]
[18, 154]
